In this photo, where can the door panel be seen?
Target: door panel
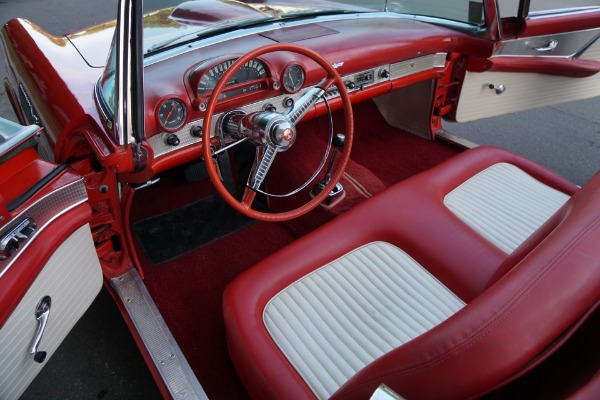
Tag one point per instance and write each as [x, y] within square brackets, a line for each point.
[542, 66]
[72, 278]
[46, 251]
[523, 91]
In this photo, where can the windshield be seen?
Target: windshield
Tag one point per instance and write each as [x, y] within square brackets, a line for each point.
[171, 23]
[182, 22]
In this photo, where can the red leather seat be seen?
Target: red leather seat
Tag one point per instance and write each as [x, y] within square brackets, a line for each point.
[515, 305]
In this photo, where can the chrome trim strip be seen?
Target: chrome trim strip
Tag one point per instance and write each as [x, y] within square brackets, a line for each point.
[34, 117]
[104, 109]
[562, 11]
[416, 65]
[397, 70]
[570, 44]
[43, 212]
[456, 140]
[160, 343]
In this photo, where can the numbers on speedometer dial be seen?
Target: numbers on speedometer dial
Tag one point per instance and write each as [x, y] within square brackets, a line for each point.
[250, 71]
[171, 114]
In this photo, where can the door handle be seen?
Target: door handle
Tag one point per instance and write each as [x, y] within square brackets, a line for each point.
[42, 311]
[498, 88]
[549, 47]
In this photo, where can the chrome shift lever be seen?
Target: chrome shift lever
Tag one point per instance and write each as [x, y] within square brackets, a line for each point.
[338, 142]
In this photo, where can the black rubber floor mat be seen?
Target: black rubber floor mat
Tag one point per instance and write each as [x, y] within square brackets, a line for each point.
[166, 236]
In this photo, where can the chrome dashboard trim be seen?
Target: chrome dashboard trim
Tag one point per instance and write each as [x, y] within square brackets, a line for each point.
[416, 65]
[396, 70]
[43, 212]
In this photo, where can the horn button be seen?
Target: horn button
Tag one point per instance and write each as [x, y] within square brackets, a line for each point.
[283, 135]
[265, 128]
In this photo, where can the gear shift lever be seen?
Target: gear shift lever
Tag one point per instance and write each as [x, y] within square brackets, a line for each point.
[338, 142]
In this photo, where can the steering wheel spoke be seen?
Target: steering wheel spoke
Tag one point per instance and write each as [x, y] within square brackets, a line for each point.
[272, 132]
[304, 104]
[262, 163]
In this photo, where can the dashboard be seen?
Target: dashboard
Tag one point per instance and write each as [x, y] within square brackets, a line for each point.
[178, 87]
[253, 76]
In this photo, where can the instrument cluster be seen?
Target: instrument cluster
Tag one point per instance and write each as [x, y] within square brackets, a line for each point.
[253, 76]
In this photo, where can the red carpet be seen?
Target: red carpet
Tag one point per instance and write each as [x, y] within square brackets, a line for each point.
[188, 289]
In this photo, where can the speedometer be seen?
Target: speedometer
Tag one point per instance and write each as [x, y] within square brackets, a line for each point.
[250, 71]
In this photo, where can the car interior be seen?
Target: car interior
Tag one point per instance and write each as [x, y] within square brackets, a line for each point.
[324, 235]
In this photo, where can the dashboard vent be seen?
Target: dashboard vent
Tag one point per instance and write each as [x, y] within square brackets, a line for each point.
[298, 33]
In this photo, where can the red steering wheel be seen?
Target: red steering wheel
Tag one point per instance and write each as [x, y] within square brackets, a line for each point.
[278, 132]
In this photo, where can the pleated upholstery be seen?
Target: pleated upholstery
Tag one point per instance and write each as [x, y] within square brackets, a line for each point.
[504, 204]
[341, 317]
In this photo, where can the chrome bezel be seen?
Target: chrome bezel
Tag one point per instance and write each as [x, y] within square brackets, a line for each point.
[284, 80]
[161, 123]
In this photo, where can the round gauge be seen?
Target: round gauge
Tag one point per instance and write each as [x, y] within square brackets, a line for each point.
[250, 71]
[171, 114]
[293, 78]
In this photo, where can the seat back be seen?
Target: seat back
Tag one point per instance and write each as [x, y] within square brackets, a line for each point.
[540, 291]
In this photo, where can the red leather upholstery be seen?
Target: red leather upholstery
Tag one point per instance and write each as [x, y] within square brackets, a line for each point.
[507, 321]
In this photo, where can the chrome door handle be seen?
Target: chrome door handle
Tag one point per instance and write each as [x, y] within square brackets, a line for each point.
[549, 47]
[42, 311]
[498, 88]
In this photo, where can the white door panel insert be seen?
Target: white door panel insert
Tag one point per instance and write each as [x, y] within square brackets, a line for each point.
[522, 91]
[72, 278]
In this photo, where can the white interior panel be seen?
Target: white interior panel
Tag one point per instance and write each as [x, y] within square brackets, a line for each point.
[72, 278]
[504, 204]
[334, 321]
[524, 91]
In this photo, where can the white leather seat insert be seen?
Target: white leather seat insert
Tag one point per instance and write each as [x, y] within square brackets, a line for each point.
[504, 204]
[334, 321]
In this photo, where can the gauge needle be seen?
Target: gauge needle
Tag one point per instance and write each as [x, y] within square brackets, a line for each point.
[169, 114]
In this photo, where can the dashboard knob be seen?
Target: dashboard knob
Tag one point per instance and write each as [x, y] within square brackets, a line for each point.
[171, 139]
[350, 85]
[196, 131]
[288, 102]
[384, 74]
[269, 107]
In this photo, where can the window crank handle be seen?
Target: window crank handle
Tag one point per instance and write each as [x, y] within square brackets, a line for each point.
[42, 311]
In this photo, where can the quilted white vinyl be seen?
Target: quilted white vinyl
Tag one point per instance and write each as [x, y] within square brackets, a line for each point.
[504, 204]
[72, 278]
[334, 321]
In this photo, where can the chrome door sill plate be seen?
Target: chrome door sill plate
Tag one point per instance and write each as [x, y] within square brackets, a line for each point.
[168, 358]
[457, 140]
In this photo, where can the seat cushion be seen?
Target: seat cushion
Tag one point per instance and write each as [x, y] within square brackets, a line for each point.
[331, 323]
[411, 218]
